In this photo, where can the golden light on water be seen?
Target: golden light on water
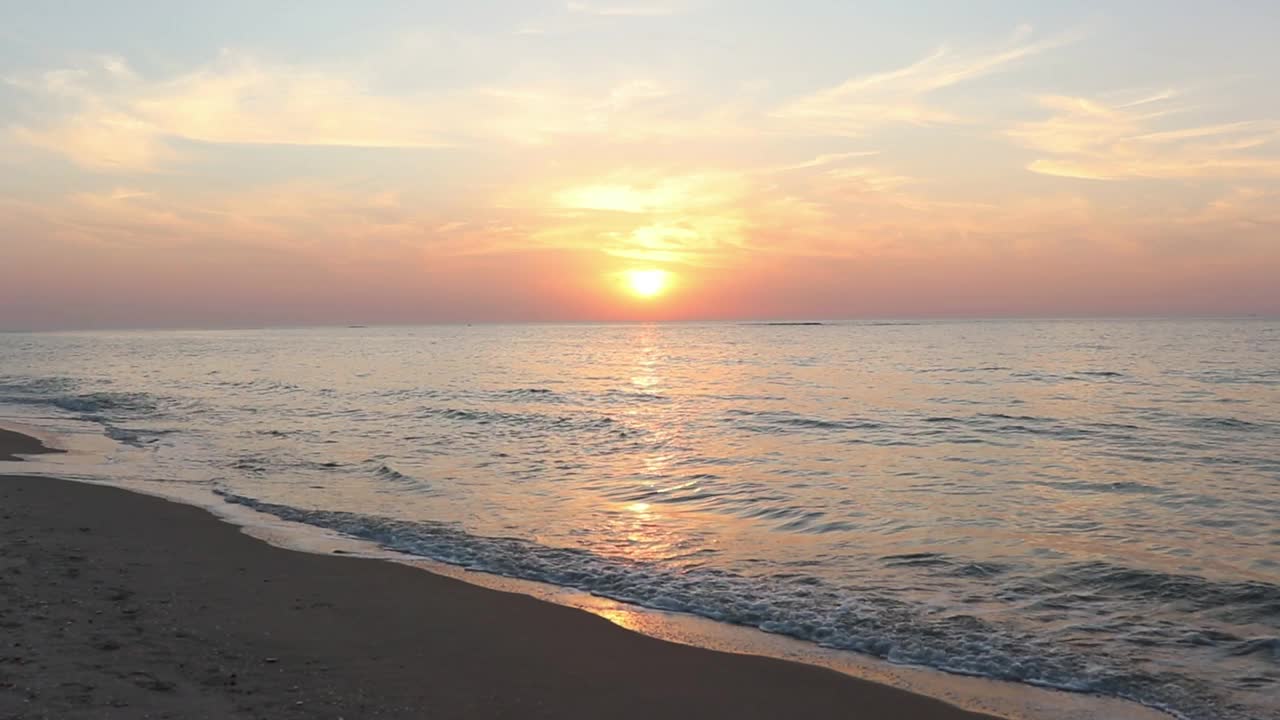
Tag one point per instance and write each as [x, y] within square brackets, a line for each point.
[647, 283]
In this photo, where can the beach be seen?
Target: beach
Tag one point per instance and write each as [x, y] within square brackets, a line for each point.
[640, 358]
[120, 605]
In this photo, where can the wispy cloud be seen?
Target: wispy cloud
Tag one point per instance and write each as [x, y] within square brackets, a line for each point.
[824, 160]
[102, 141]
[105, 116]
[865, 102]
[653, 216]
[109, 117]
[1091, 139]
[714, 218]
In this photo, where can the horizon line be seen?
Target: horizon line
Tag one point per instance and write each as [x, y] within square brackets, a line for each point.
[783, 320]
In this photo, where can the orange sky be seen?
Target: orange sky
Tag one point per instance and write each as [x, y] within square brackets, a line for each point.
[510, 161]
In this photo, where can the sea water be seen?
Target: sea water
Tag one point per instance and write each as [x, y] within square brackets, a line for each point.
[1088, 505]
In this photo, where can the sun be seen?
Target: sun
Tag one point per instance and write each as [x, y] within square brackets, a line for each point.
[647, 283]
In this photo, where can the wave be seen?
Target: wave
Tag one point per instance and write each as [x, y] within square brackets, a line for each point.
[981, 368]
[899, 430]
[136, 437]
[1240, 602]
[772, 420]
[261, 386]
[628, 396]
[532, 393]
[40, 386]
[114, 411]
[946, 564]
[63, 393]
[1077, 376]
[850, 618]
[1231, 377]
[86, 403]
[386, 472]
[1224, 423]
[537, 424]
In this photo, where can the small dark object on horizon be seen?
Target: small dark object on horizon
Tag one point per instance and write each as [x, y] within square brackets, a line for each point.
[784, 324]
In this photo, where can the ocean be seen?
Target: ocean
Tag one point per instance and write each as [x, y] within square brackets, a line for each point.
[1090, 505]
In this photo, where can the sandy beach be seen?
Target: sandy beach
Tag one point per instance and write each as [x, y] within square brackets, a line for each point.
[118, 605]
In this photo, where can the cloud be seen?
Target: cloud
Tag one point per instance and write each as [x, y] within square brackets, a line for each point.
[1244, 211]
[866, 102]
[1091, 139]
[649, 193]
[240, 101]
[104, 141]
[827, 205]
[651, 216]
[825, 160]
[106, 117]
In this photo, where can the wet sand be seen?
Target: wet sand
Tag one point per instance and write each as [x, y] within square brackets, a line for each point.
[13, 444]
[118, 605]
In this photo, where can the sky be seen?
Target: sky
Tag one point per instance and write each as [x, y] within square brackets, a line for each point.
[167, 164]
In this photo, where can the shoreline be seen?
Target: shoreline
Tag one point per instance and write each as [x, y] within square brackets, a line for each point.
[116, 607]
[14, 444]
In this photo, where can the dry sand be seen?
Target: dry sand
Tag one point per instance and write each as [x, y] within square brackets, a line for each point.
[117, 605]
